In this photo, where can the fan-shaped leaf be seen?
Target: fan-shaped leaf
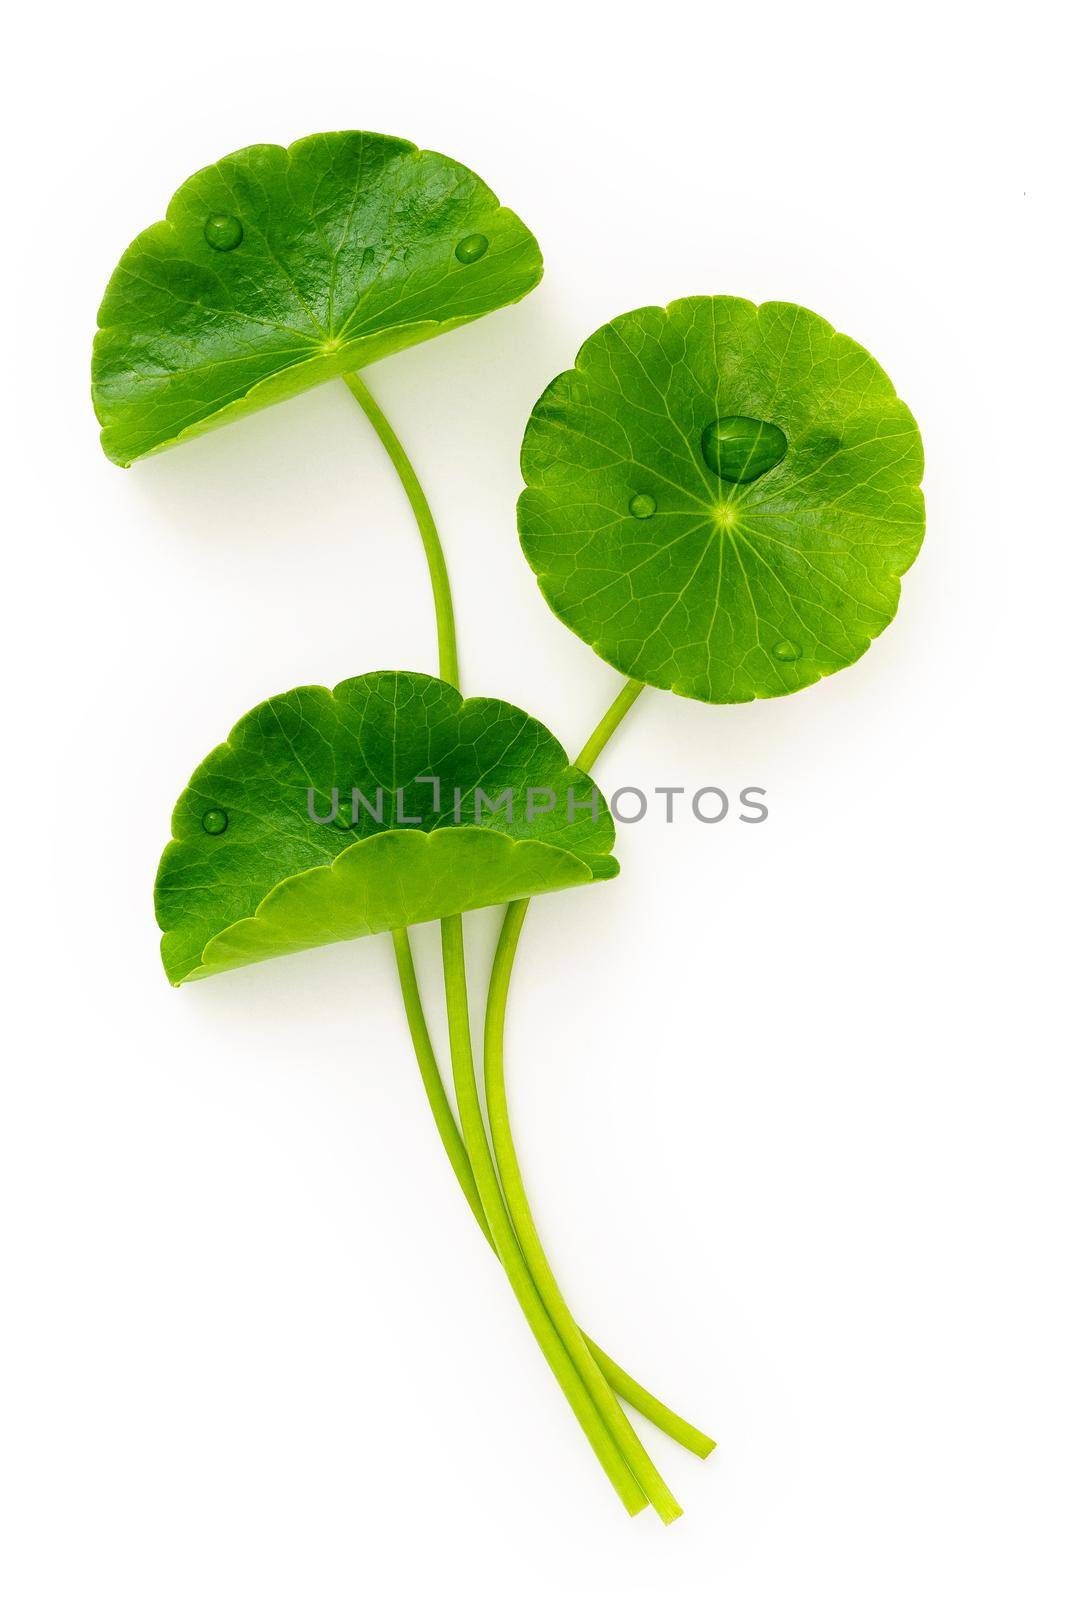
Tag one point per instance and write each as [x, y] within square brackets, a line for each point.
[411, 772]
[722, 497]
[277, 269]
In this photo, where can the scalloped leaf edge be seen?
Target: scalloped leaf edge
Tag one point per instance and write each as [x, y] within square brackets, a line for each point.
[524, 867]
[281, 385]
[758, 307]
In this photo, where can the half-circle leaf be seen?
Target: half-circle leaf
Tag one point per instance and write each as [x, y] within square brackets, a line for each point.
[389, 800]
[277, 269]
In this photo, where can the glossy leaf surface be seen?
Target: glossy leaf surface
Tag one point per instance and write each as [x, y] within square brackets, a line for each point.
[249, 874]
[722, 497]
[277, 269]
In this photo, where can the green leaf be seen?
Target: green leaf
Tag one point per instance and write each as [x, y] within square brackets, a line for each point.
[249, 874]
[722, 497]
[277, 269]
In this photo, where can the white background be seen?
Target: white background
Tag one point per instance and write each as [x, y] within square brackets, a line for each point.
[787, 1097]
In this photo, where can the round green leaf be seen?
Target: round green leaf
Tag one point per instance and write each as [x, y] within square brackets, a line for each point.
[277, 269]
[250, 873]
[722, 497]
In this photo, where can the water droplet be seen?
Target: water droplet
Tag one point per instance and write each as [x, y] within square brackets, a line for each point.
[642, 505]
[787, 650]
[223, 232]
[343, 820]
[214, 822]
[740, 449]
[472, 248]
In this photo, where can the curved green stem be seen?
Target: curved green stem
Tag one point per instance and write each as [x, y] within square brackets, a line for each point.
[607, 725]
[448, 660]
[606, 1371]
[626, 1387]
[504, 1241]
[504, 1145]
[519, 1206]
[640, 1463]
[666, 1420]
[430, 1073]
[431, 542]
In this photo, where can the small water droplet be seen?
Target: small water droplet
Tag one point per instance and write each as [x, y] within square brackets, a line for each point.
[787, 650]
[642, 505]
[741, 449]
[343, 820]
[472, 248]
[214, 822]
[223, 232]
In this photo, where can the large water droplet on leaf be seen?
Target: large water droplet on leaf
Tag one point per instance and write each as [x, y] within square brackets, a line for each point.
[472, 248]
[642, 505]
[787, 650]
[223, 232]
[214, 822]
[740, 449]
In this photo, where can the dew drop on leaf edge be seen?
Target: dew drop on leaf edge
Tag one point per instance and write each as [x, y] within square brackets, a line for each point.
[787, 650]
[471, 248]
[642, 505]
[223, 232]
[741, 449]
[214, 821]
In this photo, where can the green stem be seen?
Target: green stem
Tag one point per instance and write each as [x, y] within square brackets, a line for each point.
[504, 1241]
[430, 1073]
[451, 1138]
[666, 1420]
[607, 725]
[504, 1145]
[431, 542]
[640, 1463]
[610, 1376]
[626, 1387]
[431, 1077]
